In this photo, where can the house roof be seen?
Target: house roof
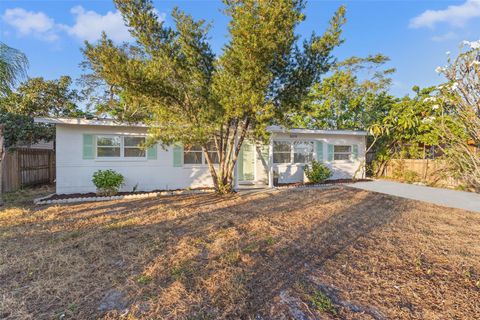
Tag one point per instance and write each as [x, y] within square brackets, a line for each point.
[88, 122]
[115, 123]
[279, 129]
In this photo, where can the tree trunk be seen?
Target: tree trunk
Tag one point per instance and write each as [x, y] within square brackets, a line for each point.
[223, 180]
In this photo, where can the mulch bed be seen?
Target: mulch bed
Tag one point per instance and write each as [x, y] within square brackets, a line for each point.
[93, 194]
[326, 182]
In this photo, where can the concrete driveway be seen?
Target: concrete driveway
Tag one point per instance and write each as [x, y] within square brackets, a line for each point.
[443, 197]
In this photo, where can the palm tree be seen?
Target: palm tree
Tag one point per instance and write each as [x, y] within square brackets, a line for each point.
[13, 67]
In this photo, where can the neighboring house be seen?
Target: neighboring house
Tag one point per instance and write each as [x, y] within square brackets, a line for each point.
[85, 146]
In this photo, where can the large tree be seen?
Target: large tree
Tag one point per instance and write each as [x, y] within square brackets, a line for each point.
[460, 97]
[36, 97]
[13, 67]
[172, 80]
[353, 96]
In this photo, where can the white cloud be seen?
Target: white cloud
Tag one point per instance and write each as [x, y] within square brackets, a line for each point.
[445, 37]
[26, 23]
[90, 24]
[456, 16]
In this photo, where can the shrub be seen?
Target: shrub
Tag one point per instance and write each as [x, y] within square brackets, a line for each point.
[107, 182]
[410, 176]
[317, 172]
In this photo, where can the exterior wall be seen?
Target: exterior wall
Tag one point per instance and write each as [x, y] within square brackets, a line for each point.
[74, 174]
[261, 165]
[343, 169]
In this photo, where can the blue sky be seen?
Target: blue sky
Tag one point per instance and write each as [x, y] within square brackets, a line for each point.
[415, 34]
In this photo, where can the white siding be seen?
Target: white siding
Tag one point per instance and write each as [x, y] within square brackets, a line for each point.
[74, 174]
[341, 169]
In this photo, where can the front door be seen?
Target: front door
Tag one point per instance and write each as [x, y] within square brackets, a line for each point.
[246, 163]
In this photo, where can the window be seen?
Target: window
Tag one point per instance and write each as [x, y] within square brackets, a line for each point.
[108, 146]
[133, 147]
[282, 152]
[120, 147]
[212, 151]
[194, 155]
[342, 152]
[302, 151]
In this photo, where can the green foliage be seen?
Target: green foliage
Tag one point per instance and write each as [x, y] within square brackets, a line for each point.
[36, 98]
[411, 127]
[317, 172]
[144, 279]
[108, 182]
[323, 303]
[13, 67]
[401, 173]
[462, 102]
[171, 79]
[20, 129]
[352, 97]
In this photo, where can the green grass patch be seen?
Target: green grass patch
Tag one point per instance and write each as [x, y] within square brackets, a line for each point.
[144, 279]
[323, 303]
[180, 272]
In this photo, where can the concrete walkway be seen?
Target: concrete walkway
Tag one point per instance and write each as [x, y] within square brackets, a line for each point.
[443, 197]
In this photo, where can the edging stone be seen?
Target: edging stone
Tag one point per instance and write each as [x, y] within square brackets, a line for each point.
[45, 200]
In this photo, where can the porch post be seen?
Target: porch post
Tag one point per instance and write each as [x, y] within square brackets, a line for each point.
[235, 170]
[270, 163]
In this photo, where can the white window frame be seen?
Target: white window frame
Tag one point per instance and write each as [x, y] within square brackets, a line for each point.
[289, 142]
[350, 154]
[292, 151]
[303, 141]
[202, 156]
[122, 148]
[204, 159]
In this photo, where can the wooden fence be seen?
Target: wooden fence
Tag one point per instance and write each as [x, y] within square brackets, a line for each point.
[27, 167]
[432, 171]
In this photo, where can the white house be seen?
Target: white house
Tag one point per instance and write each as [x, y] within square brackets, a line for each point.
[85, 146]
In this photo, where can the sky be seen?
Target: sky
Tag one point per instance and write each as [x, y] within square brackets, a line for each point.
[415, 34]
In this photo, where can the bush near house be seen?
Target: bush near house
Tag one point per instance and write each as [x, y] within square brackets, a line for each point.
[108, 182]
[317, 172]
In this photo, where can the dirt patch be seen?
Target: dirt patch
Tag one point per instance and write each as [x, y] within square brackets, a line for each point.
[284, 254]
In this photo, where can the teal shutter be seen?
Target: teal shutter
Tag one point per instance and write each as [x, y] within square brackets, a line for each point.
[330, 152]
[355, 152]
[152, 152]
[178, 155]
[319, 146]
[88, 147]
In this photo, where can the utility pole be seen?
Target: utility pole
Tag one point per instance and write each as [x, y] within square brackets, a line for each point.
[2, 155]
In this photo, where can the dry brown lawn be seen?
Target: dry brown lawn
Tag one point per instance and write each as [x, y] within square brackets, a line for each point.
[291, 254]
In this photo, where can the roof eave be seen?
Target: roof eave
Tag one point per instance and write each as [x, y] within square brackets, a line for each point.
[87, 122]
[278, 129]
